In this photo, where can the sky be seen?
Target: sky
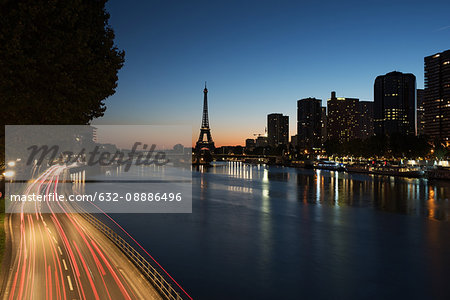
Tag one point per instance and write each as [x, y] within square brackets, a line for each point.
[260, 57]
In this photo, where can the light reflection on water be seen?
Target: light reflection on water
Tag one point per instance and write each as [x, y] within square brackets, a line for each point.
[410, 196]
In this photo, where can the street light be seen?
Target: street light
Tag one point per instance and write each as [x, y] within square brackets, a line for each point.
[9, 174]
[11, 163]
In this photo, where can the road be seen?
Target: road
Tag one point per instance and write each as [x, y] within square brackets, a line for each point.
[62, 256]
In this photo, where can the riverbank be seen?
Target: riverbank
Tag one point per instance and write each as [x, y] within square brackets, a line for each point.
[399, 170]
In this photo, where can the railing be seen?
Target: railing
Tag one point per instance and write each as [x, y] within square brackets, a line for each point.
[158, 281]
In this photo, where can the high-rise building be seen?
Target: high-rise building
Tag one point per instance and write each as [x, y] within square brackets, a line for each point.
[309, 123]
[342, 121]
[395, 104]
[323, 124]
[365, 119]
[437, 96]
[277, 129]
[420, 112]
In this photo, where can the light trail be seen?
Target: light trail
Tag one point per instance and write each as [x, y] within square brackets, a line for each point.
[59, 255]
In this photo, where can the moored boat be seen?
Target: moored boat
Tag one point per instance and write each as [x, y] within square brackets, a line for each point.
[329, 165]
[403, 171]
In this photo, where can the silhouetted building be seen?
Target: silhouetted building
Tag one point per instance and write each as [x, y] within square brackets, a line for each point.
[261, 141]
[365, 119]
[420, 112]
[277, 129]
[178, 148]
[294, 140]
[308, 123]
[395, 104]
[342, 121]
[250, 144]
[437, 96]
[323, 124]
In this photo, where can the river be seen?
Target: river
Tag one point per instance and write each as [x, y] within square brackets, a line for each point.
[260, 232]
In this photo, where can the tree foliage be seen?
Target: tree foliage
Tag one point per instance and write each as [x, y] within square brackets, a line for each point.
[58, 61]
[396, 145]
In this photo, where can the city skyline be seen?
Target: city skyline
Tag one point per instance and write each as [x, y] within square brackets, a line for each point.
[261, 63]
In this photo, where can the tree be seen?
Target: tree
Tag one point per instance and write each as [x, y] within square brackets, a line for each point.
[58, 61]
[440, 151]
[396, 145]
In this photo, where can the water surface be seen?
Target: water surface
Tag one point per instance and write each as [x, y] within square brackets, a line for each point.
[259, 232]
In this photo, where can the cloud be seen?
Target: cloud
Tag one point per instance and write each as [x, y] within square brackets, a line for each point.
[443, 28]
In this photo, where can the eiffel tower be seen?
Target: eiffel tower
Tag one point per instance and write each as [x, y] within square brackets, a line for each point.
[203, 144]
